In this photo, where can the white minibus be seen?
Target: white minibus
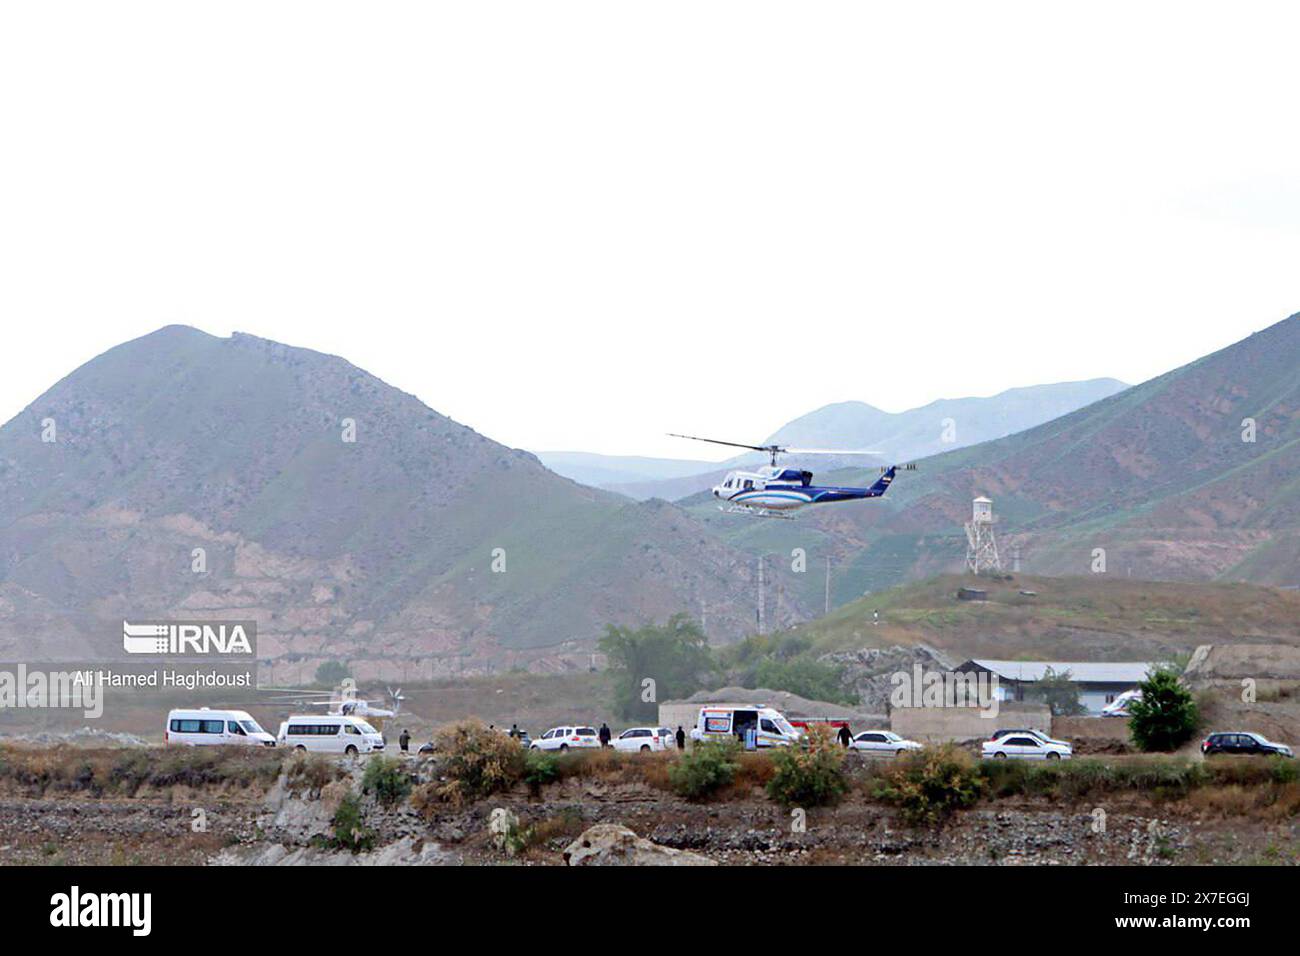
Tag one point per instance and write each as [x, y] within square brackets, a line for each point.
[204, 727]
[330, 734]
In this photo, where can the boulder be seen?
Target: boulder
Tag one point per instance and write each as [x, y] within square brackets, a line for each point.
[608, 844]
[502, 826]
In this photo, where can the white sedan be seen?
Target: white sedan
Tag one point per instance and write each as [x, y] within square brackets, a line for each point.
[1023, 746]
[567, 738]
[640, 740]
[882, 743]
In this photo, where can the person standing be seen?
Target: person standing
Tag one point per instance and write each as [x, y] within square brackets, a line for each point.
[604, 735]
[681, 738]
[404, 741]
[845, 736]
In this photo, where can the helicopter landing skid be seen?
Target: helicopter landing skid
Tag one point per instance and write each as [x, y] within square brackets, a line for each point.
[754, 512]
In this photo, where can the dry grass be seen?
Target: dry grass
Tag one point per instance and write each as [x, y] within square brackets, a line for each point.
[134, 772]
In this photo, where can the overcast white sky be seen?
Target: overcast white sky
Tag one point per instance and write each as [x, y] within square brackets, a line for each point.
[581, 225]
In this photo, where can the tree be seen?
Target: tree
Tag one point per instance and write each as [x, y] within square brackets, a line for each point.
[674, 656]
[1165, 717]
[1059, 693]
[332, 673]
[804, 676]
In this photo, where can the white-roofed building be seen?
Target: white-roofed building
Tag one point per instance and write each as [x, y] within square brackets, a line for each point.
[1099, 682]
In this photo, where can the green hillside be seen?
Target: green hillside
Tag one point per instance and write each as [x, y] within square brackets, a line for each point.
[1157, 476]
[1070, 618]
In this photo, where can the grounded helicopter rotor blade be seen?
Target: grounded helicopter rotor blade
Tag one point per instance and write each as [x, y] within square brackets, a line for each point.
[732, 444]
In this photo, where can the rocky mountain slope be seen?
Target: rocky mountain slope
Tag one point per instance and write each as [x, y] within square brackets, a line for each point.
[350, 520]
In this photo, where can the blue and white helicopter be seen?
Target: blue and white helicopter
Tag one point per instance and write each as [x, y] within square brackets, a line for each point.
[773, 491]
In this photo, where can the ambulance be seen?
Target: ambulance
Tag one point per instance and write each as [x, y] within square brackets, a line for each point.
[721, 721]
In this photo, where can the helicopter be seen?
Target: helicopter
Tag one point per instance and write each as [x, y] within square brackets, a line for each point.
[773, 491]
[343, 702]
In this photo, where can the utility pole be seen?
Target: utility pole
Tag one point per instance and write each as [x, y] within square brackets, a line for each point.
[828, 584]
[762, 610]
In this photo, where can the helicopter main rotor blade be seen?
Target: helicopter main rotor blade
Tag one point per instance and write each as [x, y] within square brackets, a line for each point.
[732, 444]
[831, 451]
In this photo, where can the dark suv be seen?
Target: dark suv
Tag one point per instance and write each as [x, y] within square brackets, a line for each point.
[1242, 742]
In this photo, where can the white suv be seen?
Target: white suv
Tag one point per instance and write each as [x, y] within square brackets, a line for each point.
[639, 739]
[567, 738]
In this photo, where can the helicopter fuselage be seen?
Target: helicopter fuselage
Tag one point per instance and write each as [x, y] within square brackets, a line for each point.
[785, 489]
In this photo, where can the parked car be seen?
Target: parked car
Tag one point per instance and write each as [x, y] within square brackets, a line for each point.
[639, 739]
[882, 743]
[567, 738]
[204, 727]
[1242, 742]
[1119, 706]
[1026, 746]
[330, 734]
[1028, 730]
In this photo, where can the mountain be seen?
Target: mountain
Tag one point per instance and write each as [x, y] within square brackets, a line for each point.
[602, 471]
[1160, 477]
[940, 426]
[378, 550]
[943, 425]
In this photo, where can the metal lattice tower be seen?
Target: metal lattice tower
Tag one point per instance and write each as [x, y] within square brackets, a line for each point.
[981, 543]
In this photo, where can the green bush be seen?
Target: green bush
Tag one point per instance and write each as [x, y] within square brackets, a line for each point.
[809, 776]
[929, 785]
[385, 778]
[1080, 778]
[350, 833]
[1166, 715]
[705, 769]
[540, 768]
[477, 761]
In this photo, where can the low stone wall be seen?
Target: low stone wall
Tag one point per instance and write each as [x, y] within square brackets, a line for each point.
[1090, 728]
[960, 724]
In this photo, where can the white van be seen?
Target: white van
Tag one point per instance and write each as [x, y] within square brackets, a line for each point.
[204, 727]
[330, 734]
[719, 721]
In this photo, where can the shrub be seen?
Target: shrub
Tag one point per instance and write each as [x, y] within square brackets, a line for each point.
[705, 769]
[478, 762]
[350, 832]
[331, 673]
[1166, 716]
[311, 772]
[929, 785]
[810, 776]
[540, 768]
[385, 778]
